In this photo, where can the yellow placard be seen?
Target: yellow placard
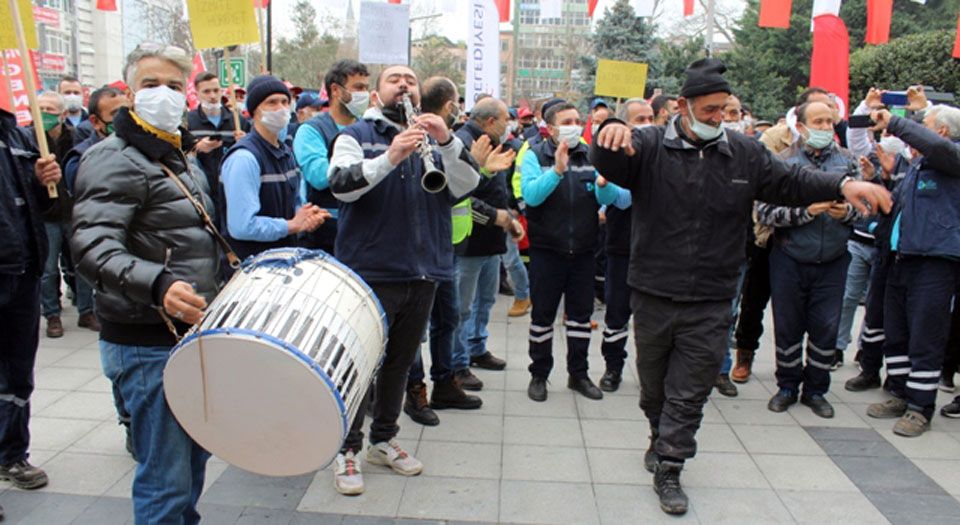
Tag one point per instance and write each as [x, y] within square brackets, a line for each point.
[222, 23]
[619, 79]
[8, 33]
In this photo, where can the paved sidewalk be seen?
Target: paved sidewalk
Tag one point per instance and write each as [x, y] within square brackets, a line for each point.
[569, 460]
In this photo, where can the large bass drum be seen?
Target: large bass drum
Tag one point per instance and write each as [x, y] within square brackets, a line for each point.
[272, 377]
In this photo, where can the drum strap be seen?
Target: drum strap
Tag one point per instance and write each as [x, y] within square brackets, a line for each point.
[232, 257]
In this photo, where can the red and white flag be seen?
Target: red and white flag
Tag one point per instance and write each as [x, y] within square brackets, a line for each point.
[687, 7]
[879, 15]
[18, 86]
[956, 41]
[775, 13]
[830, 62]
[503, 7]
[107, 5]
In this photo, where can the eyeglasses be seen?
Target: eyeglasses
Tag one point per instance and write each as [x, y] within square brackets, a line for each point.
[163, 49]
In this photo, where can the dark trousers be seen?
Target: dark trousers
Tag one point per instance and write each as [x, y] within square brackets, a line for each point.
[617, 298]
[916, 322]
[753, 298]
[600, 269]
[680, 348]
[20, 326]
[407, 306]
[444, 317]
[872, 336]
[951, 361]
[553, 275]
[806, 299]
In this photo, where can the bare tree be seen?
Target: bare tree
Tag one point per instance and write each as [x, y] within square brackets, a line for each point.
[726, 14]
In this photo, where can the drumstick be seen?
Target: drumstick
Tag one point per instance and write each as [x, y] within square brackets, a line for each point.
[203, 365]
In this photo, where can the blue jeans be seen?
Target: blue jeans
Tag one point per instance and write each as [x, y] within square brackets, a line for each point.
[169, 476]
[50, 284]
[731, 339]
[479, 280]
[517, 270]
[858, 277]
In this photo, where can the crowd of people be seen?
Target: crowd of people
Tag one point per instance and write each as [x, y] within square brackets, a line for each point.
[684, 213]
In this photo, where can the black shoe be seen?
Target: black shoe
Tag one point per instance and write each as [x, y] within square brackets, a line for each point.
[782, 400]
[537, 390]
[650, 457]
[488, 361]
[129, 443]
[416, 406]
[837, 360]
[610, 381]
[952, 409]
[505, 288]
[23, 475]
[666, 483]
[861, 382]
[586, 387]
[819, 405]
[448, 394]
[725, 386]
[468, 381]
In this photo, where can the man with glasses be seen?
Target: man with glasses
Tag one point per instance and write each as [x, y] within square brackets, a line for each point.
[138, 235]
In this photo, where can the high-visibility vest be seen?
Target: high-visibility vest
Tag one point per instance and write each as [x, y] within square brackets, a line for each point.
[517, 194]
[462, 221]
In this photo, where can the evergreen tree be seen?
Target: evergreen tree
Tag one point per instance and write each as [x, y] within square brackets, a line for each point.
[922, 58]
[621, 35]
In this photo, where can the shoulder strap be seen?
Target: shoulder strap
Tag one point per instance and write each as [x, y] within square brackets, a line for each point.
[232, 257]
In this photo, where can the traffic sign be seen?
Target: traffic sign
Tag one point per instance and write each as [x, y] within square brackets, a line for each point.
[237, 74]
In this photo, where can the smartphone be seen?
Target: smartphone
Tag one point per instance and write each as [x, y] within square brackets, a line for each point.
[894, 98]
[860, 121]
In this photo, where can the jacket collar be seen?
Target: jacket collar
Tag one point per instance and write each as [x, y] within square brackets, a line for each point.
[380, 122]
[278, 152]
[550, 148]
[473, 129]
[147, 141]
[675, 138]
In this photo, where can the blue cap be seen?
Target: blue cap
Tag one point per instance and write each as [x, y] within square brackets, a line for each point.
[597, 102]
[308, 100]
[513, 113]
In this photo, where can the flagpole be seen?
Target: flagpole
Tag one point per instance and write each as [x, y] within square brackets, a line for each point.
[6, 78]
[263, 43]
[231, 90]
[708, 39]
[27, 65]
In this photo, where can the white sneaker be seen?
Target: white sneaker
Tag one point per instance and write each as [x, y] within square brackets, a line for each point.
[347, 477]
[391, 455]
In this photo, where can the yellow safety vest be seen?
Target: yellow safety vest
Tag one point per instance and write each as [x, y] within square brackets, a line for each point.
[462, 221]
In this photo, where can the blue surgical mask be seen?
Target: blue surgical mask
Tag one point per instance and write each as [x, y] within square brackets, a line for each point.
[704, 131]
[819, 138]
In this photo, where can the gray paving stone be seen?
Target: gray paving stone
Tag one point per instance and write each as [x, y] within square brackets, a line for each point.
[107, 511]
[888, 475]
[912, 509]
[37, 508]
[537, 463]
[454, 498]
[238, 487]
[824, 508]
[261, 516]
[873, 449]
[619, 504]
[843, 434]
[738, 506]
[216, 514]
[547, 502]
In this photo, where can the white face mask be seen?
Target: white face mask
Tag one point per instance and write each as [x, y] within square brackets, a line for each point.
[73, 102]
[359, 102]
[275, 121]
[733, 126]
[210, 108]
[570, 135]
[161, 107]
[641, 126]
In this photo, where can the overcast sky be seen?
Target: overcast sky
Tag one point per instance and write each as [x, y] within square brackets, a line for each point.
[454, 24]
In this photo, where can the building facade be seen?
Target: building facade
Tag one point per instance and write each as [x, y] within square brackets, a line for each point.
[547, 51]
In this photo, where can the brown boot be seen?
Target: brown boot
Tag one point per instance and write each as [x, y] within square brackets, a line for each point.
[88, 320]
[54, 327]
[520, 308]
[741, 372]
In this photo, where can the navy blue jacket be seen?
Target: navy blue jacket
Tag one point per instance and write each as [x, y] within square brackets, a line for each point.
[279, 186]
[486, 238]
[210, 162]
[19, 258]
[928, 199]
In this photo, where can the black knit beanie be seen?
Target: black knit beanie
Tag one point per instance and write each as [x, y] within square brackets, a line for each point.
[705, 76]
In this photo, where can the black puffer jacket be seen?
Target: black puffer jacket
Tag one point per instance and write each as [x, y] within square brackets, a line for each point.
[135, 233]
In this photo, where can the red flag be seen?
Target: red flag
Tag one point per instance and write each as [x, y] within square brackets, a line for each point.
[18, 84]
[193, 100]
[775, 13]
[591, 7]
[830, 63]
[503, 7]
[879, 14]
[107, 5]
[260, 4]
[687, 7]
[956, 42]
[394, 1]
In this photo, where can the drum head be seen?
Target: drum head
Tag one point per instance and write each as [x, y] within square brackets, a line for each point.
[255, 403]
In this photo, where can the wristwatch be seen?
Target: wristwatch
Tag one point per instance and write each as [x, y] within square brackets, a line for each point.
[843, 181]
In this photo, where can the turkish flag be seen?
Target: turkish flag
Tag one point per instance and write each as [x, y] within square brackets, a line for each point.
[591, 7]
[687, 7]
[503, 7]
[830, 63]
[775, 13]
[394, 1]
[18, 84]
[260, 4]
[879, 14]
[193, 99]
[107, 5]
[956, 42]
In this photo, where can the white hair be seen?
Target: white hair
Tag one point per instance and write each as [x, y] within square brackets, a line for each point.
[54, 96]
[625, 107]
[173, 54]
[947, 116]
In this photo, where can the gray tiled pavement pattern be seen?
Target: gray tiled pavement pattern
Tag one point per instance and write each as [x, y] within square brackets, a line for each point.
[569, 460]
